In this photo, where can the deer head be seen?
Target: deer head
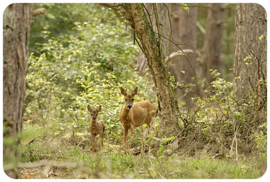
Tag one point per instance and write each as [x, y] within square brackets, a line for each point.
[129, 98]
[94, 113]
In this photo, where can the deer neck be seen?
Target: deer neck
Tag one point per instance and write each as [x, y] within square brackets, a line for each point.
[93, 122]
[126, 113]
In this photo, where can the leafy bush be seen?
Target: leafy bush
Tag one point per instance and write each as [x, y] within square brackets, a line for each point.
[222, 119]
[89, 69]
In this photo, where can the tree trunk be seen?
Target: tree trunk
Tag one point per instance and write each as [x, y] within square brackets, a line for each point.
[17, 19]
[250, 51]
[184, 33]
[212, 47]
[155, 51]
[165, 30]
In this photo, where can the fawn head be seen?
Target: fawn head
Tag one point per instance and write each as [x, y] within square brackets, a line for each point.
[94, 113]
[129, 98]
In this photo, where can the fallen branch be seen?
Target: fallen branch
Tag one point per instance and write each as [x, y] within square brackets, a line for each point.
[178, 53]
[49, 163]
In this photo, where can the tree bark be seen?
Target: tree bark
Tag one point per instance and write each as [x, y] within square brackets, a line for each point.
[184, 33]
[212, 47]
[155, 51]
[17, 19]
[250, 53]
[163, 10]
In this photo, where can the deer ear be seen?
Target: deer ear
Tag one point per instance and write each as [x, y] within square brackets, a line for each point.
[99, 108]
[135, 91]
[123, 91]
[89, 108]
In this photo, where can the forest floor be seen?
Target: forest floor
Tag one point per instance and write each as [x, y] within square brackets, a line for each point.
[49, 158]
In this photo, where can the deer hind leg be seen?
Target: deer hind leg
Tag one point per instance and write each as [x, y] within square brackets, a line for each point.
[131, 131]
[147, 120]
[101, 142]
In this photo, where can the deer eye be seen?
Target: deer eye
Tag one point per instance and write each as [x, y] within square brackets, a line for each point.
[91, 114]
[125, 99]
[132, 99]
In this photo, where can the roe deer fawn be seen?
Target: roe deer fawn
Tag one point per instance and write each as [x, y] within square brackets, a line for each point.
[96, 127]
[135, 115]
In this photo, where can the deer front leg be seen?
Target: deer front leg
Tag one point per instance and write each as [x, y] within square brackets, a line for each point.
[125, 135]
[93, 143]
[99, 143]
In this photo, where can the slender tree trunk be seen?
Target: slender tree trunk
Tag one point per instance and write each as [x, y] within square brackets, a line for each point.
[155, 51]
[165, 31]
[141, 63]
[17, 19]
[184, 33]
[212, 47]
[250, 51]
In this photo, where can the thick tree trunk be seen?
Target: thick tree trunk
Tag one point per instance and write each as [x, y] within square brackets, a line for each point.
[212, 47]
[17, 19]
[250, 52]
[184, 33]
[155, 52]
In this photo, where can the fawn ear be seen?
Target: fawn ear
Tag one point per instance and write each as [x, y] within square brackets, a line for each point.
[135, 91]
[89, 108]
[123, 91]
[99, 108]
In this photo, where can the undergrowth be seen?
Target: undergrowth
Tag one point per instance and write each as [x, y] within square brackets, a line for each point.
[119, 165]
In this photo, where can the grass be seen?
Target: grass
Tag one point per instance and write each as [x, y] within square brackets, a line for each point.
[115, 164]
[119, 165]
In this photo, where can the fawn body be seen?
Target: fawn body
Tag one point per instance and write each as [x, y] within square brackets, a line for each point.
[135, 115]
[96, 127]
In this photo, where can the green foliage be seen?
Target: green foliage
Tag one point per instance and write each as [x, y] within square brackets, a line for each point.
[74, 71]
[59, 20]
[261, 142]
[185, 6]
[86, 62]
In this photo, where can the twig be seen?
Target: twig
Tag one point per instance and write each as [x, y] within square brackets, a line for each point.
[147, 169]
[148, 15]
[162, 169]
[31, 141]
[155, 169]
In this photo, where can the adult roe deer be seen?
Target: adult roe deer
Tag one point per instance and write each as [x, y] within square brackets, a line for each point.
[96, 127]
[135, 114]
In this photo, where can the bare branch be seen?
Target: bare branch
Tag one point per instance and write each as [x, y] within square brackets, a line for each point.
[115, 6]
[178, 53]
[39, 11]
[200, 27]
